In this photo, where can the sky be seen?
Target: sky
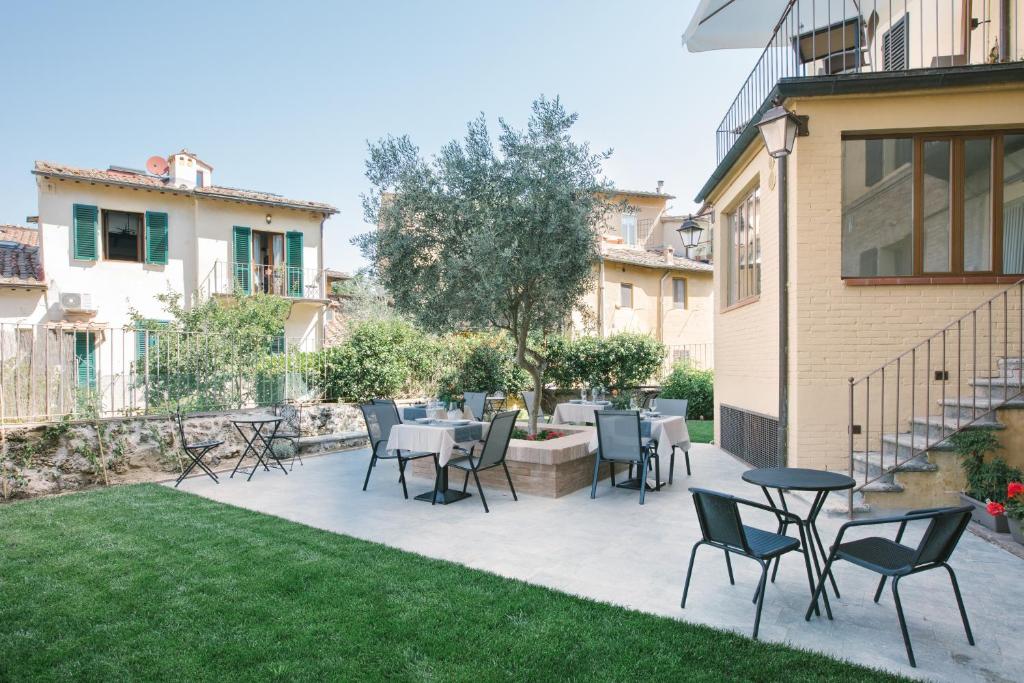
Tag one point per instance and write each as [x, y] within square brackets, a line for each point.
[283, 96]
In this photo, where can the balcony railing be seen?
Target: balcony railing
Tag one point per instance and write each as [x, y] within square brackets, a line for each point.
[830, 37]
[245, 278]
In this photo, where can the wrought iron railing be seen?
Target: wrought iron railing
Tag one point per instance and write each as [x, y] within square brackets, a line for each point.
[831, 37]
[248, 278]
[946, 383]
[700, 356]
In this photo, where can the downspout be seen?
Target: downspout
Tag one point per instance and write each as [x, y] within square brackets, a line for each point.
[661, 306]
[1004, 31]
[783, 312]
[600, 295]
[321, 273]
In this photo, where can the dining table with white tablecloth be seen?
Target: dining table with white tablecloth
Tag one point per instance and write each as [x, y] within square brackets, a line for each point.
[577, 411]
[667, 430]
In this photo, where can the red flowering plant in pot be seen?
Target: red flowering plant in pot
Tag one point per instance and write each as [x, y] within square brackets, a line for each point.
[1013, 509]
[986, 477]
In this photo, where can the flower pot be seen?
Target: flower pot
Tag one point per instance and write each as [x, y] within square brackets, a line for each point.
[980, 515]
[1015, 529]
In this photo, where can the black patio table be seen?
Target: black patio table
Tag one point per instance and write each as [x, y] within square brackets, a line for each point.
[256, 425]
[801, 479]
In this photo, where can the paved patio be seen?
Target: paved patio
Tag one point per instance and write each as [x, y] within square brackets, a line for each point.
[613, 550]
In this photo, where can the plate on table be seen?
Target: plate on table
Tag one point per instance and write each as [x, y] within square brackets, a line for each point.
[576, 401]
[457, 423]
[424, 420]
[652, 415]
[603, 403]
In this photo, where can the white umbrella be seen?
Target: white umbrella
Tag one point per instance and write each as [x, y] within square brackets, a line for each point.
[728, 24]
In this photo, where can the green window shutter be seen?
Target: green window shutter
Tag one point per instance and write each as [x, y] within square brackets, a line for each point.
[293, 259]
[241, 259]
[156, 238]
[277, 343]
[84, 237]
[140, 346]
[85, 359]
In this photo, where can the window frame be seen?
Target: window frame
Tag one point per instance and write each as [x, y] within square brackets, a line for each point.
[140, 244]
[685, 302]
[956, 272]
[623, 288]
[636, 228]
[750, 291]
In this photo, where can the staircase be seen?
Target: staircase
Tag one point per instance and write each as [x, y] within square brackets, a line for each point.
[901, 415]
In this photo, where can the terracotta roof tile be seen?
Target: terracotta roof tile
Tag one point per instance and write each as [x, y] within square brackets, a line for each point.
[47, 168]
[654, 259]
[19, 256]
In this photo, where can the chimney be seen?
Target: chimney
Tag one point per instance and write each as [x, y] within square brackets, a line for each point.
[670, 255]
[661, 184]
[186, 170]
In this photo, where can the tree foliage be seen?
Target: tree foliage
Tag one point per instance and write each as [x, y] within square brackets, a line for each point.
[617, 362]
[489, 236]
[695, 385]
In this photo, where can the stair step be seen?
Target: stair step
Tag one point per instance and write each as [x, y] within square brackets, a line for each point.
[938, 427]
[970, 407]
[875, 462]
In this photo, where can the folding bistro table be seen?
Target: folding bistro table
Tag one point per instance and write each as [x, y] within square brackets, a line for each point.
[256, 426]
[801, 479]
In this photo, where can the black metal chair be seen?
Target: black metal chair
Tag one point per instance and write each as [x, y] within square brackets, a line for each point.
[528, 400]
[476, 401]
[389, 402]
[619, 441]
[722, 527]
[195, 452]
[893, 559]
[290, 434]
[492, 454]
[380, 418]
[676, 407]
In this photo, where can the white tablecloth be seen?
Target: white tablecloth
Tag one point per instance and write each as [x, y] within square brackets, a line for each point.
[575, 412]
[668, 431]
[430, 438]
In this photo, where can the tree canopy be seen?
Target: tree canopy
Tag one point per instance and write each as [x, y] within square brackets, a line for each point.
[501, 235]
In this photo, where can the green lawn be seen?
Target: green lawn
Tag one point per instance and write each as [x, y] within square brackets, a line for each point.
[701, 431]
[146, 583]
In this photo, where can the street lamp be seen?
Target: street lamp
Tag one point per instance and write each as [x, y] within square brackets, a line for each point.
[689, 234]
[779, 129]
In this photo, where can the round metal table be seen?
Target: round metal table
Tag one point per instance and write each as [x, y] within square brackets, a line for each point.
[821, 482]
[262, 453]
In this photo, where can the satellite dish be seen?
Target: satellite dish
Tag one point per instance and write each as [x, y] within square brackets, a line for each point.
[157, 166]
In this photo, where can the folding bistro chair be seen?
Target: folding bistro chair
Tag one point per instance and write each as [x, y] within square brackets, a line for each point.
[528, 400]
[677, 407]
[476, 401]
[492, 454]
[722, 527]
[619, 441]
[195, 452]
[893, 559]
[292, 432]
[379, 421]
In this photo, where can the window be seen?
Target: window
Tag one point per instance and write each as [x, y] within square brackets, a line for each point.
[199, 178]
[85, 359]
[625, 296]
[743, 250]
[679, 292]
[933, 204]
[122, 235]
[629, 228]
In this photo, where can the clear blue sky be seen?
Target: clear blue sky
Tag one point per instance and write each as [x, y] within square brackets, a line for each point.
[299, 87]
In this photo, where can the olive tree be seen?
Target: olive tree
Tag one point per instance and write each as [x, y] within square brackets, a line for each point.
[489, 234]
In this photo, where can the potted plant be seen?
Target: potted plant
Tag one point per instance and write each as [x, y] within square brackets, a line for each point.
[1013, 510]
[987, 480]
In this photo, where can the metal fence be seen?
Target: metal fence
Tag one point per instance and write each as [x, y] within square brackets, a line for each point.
[700, 356]
[78, 370]
[833, 37]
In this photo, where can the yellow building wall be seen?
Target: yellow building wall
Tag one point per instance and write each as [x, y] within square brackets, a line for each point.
[837, 330]
[647, 210]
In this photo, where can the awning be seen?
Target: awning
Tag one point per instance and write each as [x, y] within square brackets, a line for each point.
[731, 24]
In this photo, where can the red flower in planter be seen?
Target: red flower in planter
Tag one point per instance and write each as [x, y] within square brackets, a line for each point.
[1015, 488]
[995, 509]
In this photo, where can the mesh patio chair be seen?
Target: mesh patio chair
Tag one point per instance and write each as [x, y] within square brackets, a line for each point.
[896, 560]
[619, 441]
[195, 452]
[476, 401]
[722, 527]
[388, 402]
[675, 406]
[528, 400]
[492, 454]
[290, 432]
[379, 421]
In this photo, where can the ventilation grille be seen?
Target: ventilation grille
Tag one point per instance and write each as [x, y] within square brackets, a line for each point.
[750, 436]
[896, 45]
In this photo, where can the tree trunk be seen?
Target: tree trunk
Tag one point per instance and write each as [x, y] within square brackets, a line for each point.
[538, 394]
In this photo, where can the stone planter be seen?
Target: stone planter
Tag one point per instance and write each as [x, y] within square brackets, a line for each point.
[1015, 529]
[981, 516]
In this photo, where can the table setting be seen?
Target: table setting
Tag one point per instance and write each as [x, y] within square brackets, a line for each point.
[440, 436]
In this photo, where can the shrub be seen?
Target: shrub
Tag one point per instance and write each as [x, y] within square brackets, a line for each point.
[480, 362]
[615, 362]
[987, 480]
[697, 386]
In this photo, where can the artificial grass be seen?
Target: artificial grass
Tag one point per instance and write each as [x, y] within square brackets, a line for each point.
[701, 431]
[147, 583]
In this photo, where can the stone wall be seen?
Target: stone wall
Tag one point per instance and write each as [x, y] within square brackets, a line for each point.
[67, 456]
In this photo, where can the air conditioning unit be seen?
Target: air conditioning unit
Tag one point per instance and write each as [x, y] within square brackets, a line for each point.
[77, 302]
